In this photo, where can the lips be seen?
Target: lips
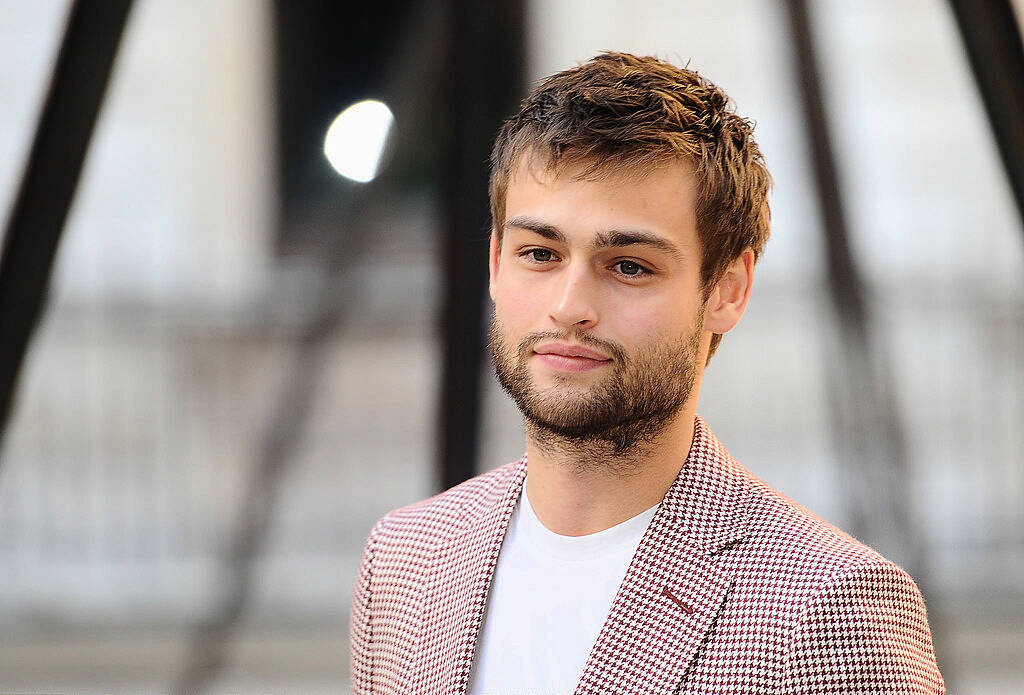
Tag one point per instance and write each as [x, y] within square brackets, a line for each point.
[566, 350]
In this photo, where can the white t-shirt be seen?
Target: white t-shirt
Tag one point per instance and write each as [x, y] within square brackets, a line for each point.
[548, 601]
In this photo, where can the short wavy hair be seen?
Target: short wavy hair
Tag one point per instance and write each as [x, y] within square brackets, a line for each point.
[624, 112]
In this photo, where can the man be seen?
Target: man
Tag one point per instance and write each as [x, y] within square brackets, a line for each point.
[627, 552]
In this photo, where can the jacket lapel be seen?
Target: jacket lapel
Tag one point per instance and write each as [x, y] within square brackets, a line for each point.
[457, 583]
[674, 591]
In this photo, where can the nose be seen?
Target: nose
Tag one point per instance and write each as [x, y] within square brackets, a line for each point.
[575, 301]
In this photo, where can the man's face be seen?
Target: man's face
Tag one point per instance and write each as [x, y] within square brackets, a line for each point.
[598, 321]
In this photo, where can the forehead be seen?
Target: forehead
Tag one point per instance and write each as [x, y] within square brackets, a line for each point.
[581, 199]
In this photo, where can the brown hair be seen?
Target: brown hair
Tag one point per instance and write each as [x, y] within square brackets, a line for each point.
[619, 111]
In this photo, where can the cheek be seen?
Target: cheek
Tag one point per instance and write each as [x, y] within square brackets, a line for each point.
[650, 322]
[516, 308]
[640, 320]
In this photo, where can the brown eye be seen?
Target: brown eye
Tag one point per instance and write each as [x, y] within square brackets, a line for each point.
[541, 255]
[630, 268]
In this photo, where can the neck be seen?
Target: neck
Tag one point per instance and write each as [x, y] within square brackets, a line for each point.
[582, 487]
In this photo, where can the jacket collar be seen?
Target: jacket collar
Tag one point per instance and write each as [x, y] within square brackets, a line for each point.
[674, 589]
[672, 594]
[457, 581]
[709, 497]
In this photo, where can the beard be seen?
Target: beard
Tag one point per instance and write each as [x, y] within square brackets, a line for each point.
[618, 414]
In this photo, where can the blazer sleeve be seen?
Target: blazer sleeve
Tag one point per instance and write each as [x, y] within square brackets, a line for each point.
[360, 637]
[865, 631]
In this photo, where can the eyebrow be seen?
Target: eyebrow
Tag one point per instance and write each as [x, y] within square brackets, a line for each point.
[613, 238]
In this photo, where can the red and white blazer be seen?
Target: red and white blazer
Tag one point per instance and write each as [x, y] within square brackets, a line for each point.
[733, 589]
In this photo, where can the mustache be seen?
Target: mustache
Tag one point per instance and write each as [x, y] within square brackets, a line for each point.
[527, 344]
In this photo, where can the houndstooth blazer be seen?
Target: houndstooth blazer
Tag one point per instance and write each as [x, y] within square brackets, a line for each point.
[733, 589]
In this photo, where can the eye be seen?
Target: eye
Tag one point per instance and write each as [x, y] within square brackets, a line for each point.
[539, 255]
[631, 268]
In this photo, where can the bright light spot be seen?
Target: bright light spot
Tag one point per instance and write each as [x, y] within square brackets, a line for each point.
[355, 141]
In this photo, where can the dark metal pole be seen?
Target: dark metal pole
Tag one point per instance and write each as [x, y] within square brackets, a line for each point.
[993, 43]
[867, 420]
[72, 105]
[485, 79]
[407, 85]
[845, 284]
[868, 423]
[208, 647]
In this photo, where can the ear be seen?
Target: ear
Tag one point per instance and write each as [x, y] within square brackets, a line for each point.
[729, 297]
[492, 264]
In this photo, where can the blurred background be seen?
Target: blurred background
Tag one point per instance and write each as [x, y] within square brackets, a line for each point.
[259, 338]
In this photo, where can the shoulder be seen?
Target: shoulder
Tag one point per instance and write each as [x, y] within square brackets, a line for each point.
[799, 534]
[803, 554]
[848, 618]
[792, 554]
[857, 622]
[724, 506]
[442, 516]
